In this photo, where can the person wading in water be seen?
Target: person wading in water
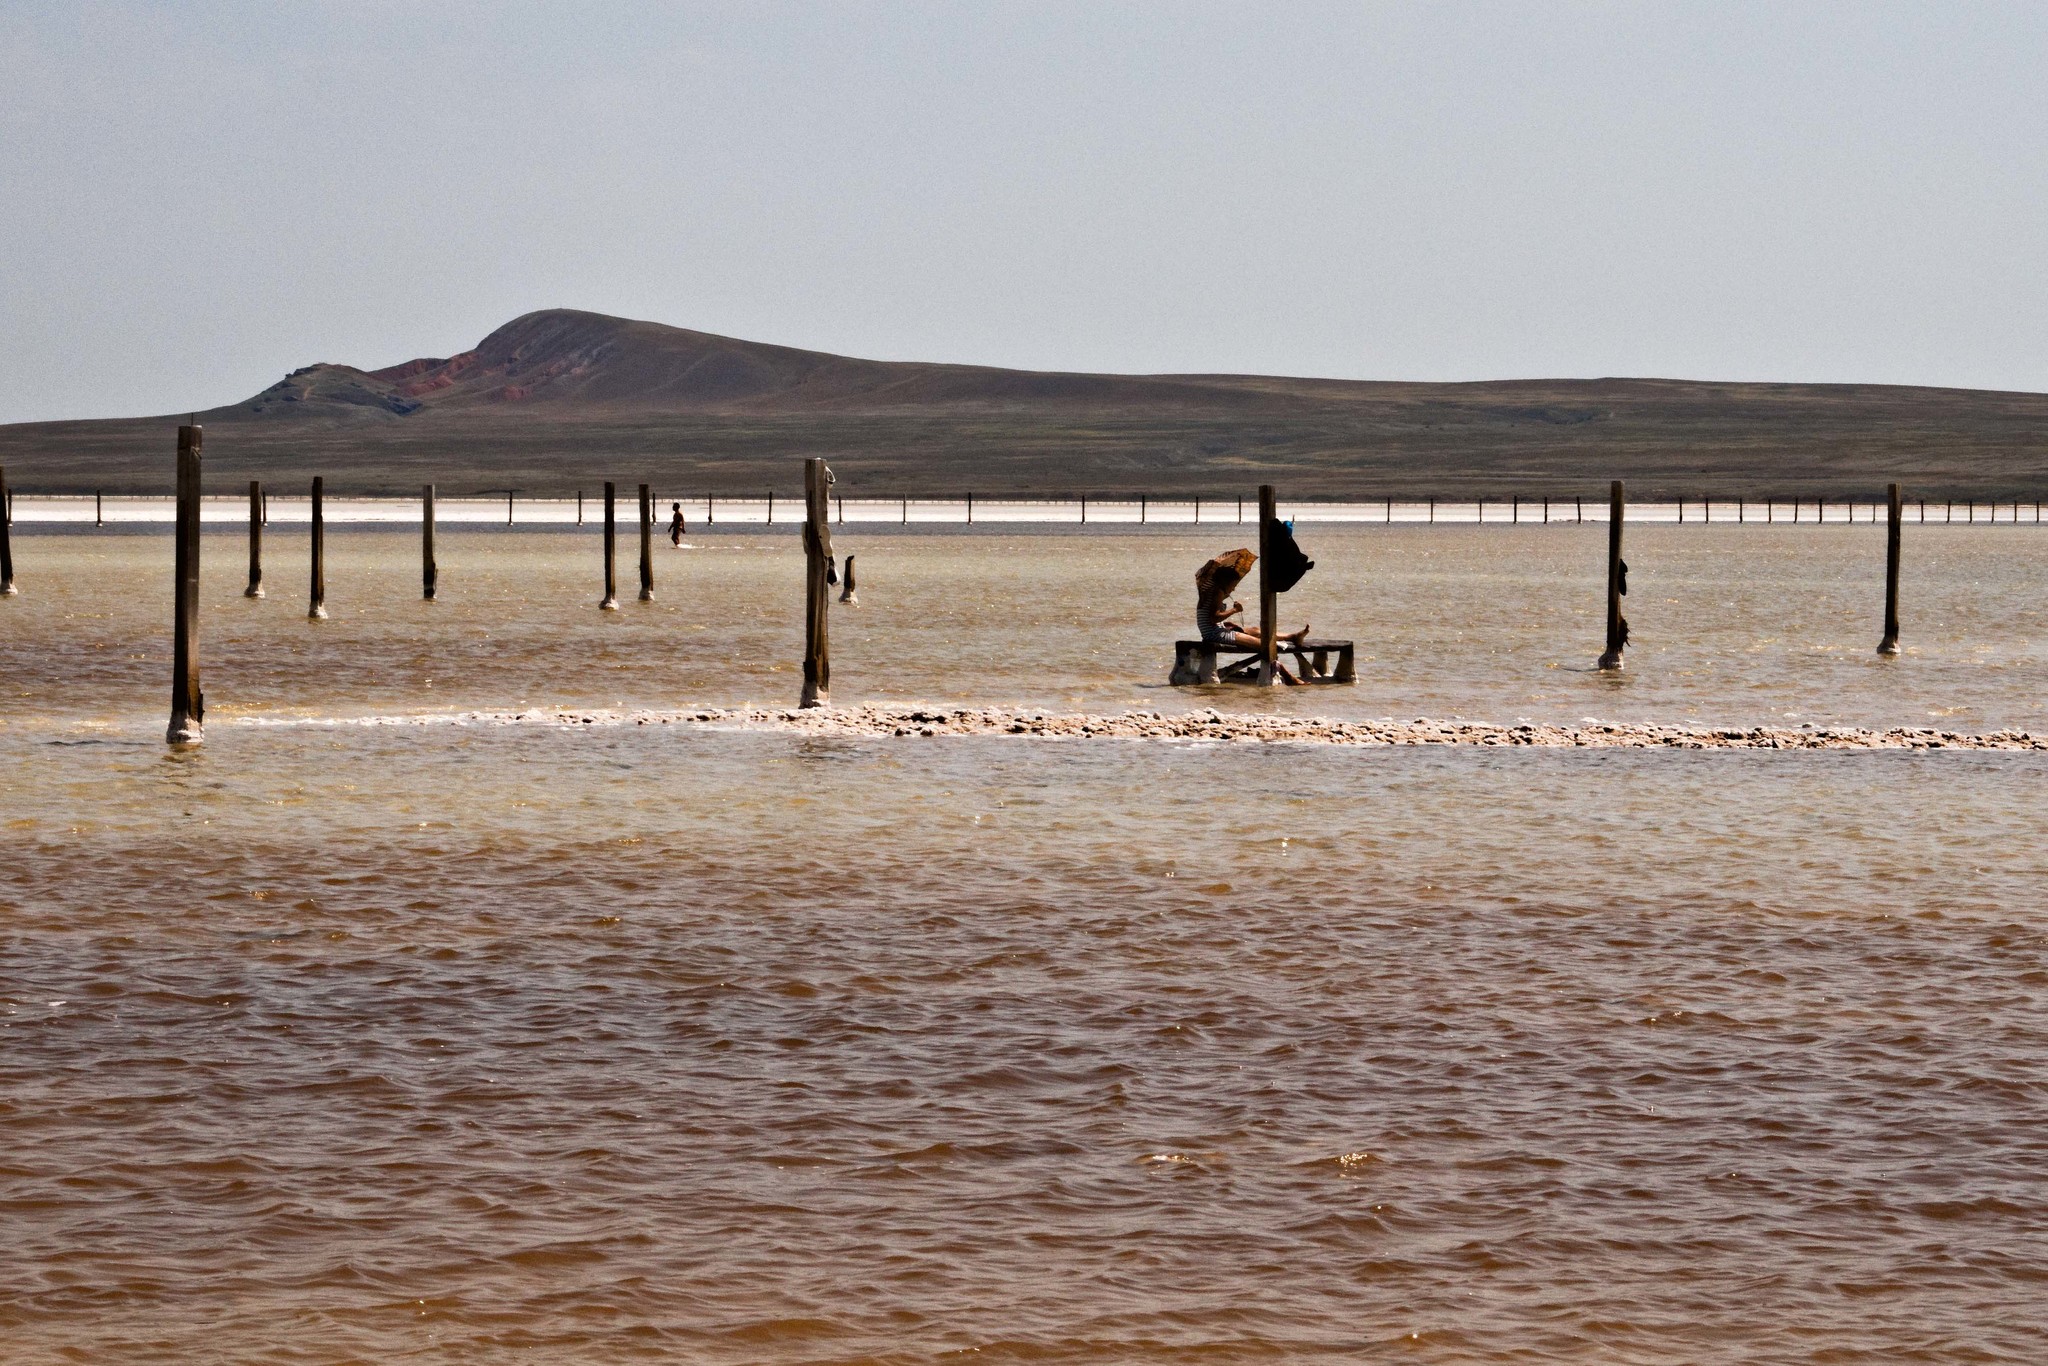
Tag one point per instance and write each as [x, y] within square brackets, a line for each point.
[675, 525]
[1214, 611]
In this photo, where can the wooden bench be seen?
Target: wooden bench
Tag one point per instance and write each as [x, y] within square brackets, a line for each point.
[1194, 661]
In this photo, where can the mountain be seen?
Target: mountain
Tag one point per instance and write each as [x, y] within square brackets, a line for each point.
[562, 358]
[561, 399]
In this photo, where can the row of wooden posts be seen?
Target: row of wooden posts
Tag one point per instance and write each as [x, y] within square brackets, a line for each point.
[429, 571]
[188, 701]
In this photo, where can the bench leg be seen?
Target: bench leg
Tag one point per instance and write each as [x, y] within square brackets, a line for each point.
[1208, 668]
[1186, 669]
[1345, 673]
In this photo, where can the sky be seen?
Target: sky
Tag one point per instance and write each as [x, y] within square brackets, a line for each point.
[197, 197]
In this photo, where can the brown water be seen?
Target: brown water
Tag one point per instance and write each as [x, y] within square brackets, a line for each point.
[476, 1043]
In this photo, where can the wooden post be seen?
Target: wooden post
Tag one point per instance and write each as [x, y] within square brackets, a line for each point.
[1141, 509]
[611, 550]
[817, 551]
[1269, 606]
[255, 588]
[317, 611]
[98, 513]
[579, 507]
[428, 572]
[188, 703]
[846, 594]
[646, 544]
[771, 507]
[508, 505]
[7, 588]
[1617, 628]
[1890, 644]
[970, 509]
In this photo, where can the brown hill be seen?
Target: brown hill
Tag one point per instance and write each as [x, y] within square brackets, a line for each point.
[562, 399]
[600, 364]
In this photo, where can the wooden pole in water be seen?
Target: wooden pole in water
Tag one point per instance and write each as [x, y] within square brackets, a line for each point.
[1269, 600]
[255, 588]
[646, 544]
[846, 595]
[98, 513]
[188, 703]
[611, 550]
[428, 572]
[1890, 644]
[1617, 628]
[817, 550]
[7, 588]
[317, 611]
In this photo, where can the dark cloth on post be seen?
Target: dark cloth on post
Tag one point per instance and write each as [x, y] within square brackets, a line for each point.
[1285, 564]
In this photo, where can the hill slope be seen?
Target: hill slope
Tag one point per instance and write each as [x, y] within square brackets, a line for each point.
[560, 399]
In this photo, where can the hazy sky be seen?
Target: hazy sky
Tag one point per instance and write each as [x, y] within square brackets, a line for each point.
[197, 197]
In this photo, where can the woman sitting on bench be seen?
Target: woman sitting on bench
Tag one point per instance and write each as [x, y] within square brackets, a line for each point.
[1214, 610]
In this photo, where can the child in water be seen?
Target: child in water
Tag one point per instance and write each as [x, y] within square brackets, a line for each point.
[675, 525]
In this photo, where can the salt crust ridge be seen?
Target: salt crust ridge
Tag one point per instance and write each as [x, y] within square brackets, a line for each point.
[1208, 725]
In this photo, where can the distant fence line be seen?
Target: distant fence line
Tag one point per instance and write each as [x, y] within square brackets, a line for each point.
[968, 509]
